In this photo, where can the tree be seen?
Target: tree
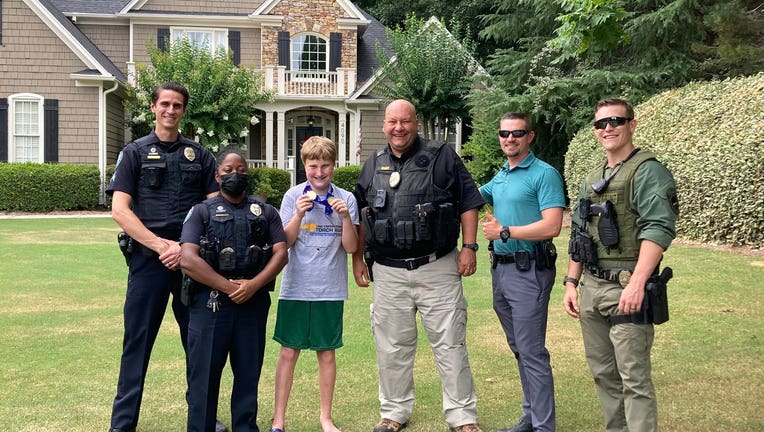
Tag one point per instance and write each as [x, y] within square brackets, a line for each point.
[222, 95]
[432, 68]
[560, 57]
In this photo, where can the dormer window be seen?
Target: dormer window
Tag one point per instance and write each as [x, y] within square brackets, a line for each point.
[309, 55]
[212, 39]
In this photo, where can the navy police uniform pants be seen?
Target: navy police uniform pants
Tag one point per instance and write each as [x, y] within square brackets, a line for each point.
[237, 330]
[149, 286]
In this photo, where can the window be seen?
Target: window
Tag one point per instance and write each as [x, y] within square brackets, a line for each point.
[207, 38]
[309, 55]
[26, 128]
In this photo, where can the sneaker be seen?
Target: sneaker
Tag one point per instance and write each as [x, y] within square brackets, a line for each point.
[471, 427]
[387, 425]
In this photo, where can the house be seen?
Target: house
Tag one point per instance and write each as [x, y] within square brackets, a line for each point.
[65, 65]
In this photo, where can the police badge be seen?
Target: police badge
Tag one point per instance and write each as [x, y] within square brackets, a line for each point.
[189, 153]
[256, 209]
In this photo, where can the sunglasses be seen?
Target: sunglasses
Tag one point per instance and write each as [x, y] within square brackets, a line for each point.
[612, 121]
[515, 133]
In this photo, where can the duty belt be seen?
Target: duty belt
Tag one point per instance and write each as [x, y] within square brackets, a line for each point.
[509, 259]
[621, 276]
[408, 263]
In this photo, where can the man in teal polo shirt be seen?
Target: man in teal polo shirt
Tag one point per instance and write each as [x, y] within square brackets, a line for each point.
[528, 200]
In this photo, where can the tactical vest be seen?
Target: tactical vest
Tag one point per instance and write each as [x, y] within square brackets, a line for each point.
[170, 183]
[408, 215]
[240, 237]
[618, 192]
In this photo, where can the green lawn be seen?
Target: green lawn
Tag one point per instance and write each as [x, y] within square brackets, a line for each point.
[63, 285]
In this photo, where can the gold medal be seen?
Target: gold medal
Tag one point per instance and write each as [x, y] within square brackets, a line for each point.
[331, 200]
[395, 179]
[310, 194]
[256, 209]
[189, 153]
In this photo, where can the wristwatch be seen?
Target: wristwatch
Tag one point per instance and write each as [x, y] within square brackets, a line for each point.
[473, 246]
[504, 234]
[567, 279]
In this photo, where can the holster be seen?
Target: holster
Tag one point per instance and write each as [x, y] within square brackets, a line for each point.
[125, 243]
[369, 260]
[187, 289]
[546, 254]
[656, 293]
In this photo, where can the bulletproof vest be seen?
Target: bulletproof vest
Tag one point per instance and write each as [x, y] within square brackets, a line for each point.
[619, 193]
[170, 183]
[241, 236]
[408, 215]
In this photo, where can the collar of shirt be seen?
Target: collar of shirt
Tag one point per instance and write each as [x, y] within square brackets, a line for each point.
[525, 163]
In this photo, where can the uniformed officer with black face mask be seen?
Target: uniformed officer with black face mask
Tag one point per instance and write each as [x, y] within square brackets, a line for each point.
[233, 246]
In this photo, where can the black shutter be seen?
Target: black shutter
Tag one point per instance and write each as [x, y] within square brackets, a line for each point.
[234, 43]
[163, 39]
[50, 123]
[335, 51]
[284, 43]
[3, 130]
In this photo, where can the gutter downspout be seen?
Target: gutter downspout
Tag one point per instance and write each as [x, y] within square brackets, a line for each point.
[102, 141]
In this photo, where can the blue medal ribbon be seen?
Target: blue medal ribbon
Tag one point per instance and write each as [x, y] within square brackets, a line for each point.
[324, 201]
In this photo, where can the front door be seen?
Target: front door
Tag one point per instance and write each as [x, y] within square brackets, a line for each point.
[303, 133]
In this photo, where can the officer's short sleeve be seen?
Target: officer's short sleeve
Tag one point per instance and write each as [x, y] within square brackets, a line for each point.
[126, 172]
[208, 170]
[655, 200]
[193, 226]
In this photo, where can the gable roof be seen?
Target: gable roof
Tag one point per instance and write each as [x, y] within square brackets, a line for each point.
[96, 62]
[97, 7]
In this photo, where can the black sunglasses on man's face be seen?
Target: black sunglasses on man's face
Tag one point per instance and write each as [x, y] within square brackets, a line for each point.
[515, 133]
[612, 121]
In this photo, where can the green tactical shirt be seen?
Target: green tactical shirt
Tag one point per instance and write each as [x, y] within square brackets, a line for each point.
[654, 198]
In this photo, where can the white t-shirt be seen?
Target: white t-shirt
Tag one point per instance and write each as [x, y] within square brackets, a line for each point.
[318, 264]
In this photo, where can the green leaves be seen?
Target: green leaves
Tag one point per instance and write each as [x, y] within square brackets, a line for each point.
[222, 96]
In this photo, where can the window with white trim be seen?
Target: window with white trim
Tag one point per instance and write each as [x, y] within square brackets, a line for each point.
[25, 128]
[212, 39]
[309, 55]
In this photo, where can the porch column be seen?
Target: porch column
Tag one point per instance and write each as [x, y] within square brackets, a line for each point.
[268, 138]
[342, 138]
[281, 143]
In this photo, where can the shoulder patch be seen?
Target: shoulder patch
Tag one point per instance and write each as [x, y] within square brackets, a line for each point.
[673, 200]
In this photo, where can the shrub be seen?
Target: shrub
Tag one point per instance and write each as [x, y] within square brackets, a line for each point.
[710, 135]
[270, 184]
[345, 177]
[34, 187]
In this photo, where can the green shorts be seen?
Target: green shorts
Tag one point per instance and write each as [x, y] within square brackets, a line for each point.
[314, 325]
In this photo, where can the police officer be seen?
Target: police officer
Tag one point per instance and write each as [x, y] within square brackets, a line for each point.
[623, 220]
[415, 195]
[156, 180]
[233, 246]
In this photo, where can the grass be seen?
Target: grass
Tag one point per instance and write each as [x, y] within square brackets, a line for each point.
[63, 285]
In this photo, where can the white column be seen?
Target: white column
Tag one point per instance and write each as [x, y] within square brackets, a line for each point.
[282, 80]
[268, 138]
[341, 82]
[281, 139]
[342, 137]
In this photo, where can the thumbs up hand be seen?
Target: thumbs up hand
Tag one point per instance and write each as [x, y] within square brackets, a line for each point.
[491, 227]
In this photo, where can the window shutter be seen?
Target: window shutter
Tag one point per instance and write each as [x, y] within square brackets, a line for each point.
[3, 130]
[1, 22]
[234, 44]
[50, 123]
[335, 51]
[163, 39]
[284, 43]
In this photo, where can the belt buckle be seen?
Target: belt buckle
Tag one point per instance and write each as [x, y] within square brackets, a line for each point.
[411, 264]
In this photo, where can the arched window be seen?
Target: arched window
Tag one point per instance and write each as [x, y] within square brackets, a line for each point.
[309, 54]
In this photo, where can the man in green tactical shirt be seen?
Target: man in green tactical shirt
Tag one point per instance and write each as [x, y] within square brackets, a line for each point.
[623, 220]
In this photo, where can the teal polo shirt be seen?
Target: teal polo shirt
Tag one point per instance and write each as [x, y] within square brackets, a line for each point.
[519, 195]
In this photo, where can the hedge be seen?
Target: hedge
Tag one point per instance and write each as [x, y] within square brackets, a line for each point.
[711, 136]
[34, 187]
[346, 177]
[270, 184]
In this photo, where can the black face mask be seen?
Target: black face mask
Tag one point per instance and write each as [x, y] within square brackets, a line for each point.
[234, 184]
